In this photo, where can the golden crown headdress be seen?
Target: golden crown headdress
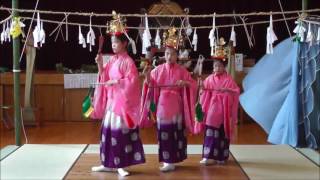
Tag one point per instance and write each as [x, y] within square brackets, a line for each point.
[117, 26]
[172, 39]
[221, 51]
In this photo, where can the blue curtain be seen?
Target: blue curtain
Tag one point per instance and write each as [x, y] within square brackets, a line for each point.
[282, 93]
[270, 93]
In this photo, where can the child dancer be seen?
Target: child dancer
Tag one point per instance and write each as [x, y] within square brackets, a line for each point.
[219, 99]
[118, 102]
[171, 89]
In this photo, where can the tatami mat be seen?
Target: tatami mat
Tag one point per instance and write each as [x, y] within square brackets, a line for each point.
[4, 152]
[274, 162]
[32, 161]
[310, 154]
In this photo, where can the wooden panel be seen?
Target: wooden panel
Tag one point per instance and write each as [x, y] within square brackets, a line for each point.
[49, 100]
[39, 78]
[73, 104]
[8, 98]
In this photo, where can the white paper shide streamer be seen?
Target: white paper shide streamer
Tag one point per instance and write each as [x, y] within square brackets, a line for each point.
[310, 36]
[8, 31]
[199, 66]
[233, 37]
[91, 37]
[271, 37]
[82, 40]
[5, 34]
[195, 40]
[212, 38]
[158, 39]
[131, 42]
[188, 26]
[299, 30]
[38, 33]
[146, 37]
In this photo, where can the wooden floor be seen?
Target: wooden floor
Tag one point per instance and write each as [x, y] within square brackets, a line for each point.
[189, 169]
[88, 133]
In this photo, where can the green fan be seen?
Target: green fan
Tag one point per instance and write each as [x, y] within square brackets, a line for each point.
[152, 111]
[199, 113]
[87, 108]
[198, 108]
[152, 106]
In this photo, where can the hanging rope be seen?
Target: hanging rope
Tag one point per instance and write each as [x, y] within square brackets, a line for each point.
[162, 27]
[142, 15]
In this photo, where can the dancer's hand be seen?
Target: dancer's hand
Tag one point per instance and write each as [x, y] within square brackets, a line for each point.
[111, 82]
[146, 72]
[182, 83]
[99, 59]
[224, 90]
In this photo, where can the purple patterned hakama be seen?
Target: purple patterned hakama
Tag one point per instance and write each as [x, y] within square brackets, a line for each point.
[119, 147]
[172, 141]
[216, 145]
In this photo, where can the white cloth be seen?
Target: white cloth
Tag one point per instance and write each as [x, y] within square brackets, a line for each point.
[199, 65]
[233, 37]
[211, 35]
[146, 37]
[91, 38]
[271, 37]
[299, 30]
[310, 36]
[38, 33]
[158, 39]
[3, 34]
[81, 38]
[8, 37]
[195, 40]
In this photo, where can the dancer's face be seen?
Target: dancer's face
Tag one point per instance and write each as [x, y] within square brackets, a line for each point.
[171, 55]
[118, 45]
[218, 67]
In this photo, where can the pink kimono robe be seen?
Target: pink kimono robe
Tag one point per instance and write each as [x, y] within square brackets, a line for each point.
[123, 98]
[170, 101]
[219, 107]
